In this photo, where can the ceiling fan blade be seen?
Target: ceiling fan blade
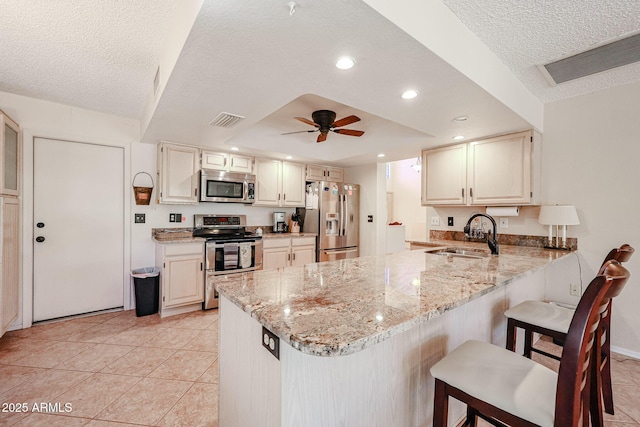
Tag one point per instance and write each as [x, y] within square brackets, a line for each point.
[299, 131]
[346, 121]
[322, 137]
[350, 132]
[307, 121]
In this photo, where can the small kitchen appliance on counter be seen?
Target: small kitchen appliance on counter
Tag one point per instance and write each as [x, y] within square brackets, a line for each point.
[229, 249]
[279, 222]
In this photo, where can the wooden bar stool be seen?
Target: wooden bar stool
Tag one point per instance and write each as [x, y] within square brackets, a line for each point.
[504, 387]
[553, 321]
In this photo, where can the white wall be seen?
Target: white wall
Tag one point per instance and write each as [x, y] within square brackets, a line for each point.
[371, 179]
[590, 159]
[404, 183]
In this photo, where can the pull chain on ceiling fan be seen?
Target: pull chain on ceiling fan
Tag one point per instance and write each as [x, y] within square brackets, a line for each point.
[325, 121]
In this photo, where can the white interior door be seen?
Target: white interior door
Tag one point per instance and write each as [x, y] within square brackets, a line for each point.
[78, 211]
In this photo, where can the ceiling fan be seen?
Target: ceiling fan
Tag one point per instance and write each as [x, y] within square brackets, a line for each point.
[325, 121]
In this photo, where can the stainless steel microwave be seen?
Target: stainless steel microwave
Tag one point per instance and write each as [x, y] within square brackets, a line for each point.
[227, 187]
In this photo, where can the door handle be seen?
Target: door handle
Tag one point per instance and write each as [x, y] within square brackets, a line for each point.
[40, 239]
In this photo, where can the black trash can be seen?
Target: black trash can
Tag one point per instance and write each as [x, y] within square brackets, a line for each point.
[146, 282]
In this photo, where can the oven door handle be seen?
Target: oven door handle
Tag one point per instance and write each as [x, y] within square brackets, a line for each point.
[230, 271]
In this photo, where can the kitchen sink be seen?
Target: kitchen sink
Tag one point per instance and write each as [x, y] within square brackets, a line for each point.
[459, 253]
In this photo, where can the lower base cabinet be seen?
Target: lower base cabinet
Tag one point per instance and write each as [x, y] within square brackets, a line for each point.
[281, 252]
[181, 277]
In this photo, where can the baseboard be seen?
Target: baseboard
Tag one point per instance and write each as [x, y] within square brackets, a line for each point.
[625, 352]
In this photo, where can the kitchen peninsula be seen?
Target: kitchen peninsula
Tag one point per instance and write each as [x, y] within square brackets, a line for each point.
[356, 337]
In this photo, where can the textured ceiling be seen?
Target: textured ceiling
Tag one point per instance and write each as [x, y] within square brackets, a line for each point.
[252, 58]
[525, 34]
[99, 55]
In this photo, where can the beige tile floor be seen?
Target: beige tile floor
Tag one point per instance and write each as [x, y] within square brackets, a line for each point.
[118, 370]
[113, 369]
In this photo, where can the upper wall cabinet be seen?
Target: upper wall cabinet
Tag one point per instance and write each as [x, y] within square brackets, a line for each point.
[227, 162]
[324, 173]
[497, 171]
[178, 167]
[279, 183]
[9, 156]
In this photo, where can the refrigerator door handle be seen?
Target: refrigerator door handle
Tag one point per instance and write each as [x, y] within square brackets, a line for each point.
[345, 226]
[340, 212]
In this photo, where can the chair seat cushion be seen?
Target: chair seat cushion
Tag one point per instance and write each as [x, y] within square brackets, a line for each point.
[543, 314]
[502, 378]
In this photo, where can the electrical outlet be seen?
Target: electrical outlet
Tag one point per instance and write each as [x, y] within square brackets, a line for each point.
[271, 342]
[450, 221]
[504, 222]
[574, 289]
[138, 218]
[435, 220]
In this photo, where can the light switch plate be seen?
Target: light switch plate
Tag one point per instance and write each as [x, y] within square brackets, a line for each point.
[435, 220]
[139, 218]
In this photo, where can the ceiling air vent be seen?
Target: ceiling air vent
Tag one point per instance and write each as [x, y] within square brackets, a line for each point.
[602, 58]
[225, 120]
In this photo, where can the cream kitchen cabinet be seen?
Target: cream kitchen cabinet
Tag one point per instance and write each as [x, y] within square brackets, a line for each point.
[503, 170]
[324, 173]
[181, 277]
[281, 252]
[226, 162]
[444, 175]
[9, 156]
[279, 184]
[9, 262]
[178, 167]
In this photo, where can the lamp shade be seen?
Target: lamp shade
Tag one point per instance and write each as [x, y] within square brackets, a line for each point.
[558, 215]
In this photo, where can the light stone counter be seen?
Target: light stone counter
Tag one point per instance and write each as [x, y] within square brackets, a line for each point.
[341, 307]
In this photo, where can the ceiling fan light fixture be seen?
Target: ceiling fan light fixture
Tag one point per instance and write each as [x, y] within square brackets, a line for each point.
[345, 63]
[409, 94]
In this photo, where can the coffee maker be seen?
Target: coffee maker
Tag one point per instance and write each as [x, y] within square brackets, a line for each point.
[279, 222]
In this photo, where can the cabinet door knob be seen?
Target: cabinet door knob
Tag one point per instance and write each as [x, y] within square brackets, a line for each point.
[40, 239]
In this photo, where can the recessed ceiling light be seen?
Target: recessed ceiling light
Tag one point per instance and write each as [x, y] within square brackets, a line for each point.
[409, 94]
[234, 149]
[289, 157]
[458, 137]
[381, 155]
[460, 119]
[345, 63]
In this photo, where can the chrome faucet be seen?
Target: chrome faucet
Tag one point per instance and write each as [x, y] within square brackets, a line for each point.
[493, 241]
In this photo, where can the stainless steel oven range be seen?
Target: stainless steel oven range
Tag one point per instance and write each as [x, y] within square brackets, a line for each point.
[229, 249]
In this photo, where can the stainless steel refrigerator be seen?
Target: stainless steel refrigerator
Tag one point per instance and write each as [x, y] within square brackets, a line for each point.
[332, 212]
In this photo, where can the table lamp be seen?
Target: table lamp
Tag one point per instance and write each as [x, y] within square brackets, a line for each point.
[558, 215]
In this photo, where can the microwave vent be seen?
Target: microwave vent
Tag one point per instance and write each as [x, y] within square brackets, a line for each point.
[225, 120]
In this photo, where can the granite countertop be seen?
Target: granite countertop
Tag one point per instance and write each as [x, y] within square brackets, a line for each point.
[340, 307]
